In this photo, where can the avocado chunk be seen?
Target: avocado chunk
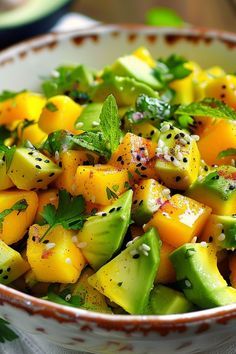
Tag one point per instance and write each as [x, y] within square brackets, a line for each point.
[178, 158]
[199, 277]
[103, 234]
[217, 189]
[147, 199]
[30, 169]
[137, 69]
[166, 301]
[5, 181]
[125, 90]
[128, 278]
[221, 230]
[90, 298]
[89, 118]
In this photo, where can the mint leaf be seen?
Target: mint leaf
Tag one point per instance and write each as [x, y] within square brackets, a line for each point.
[6, 334]
[110, 123]
[18, 206]
[93, 141]
[69, 214]
[6, 95]
[209, 107]
[226, 153]
[163, 16]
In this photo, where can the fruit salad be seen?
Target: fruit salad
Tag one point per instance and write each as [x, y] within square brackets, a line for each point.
[118, 187]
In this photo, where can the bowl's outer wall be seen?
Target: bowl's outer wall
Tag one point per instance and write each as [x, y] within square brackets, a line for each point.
[23, 67]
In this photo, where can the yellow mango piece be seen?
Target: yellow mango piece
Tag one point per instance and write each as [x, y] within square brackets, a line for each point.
[70, 160]
[26, 105]
[46, 197]
[224, 89]
[32, 133]
[60, 112]
[16, 223]
[224, 133]
[5, 181]
[57, 259]
[137, 155]
[144, 54]
[12, 265]
[166, 272]
[179, 219]
[183, 88]
[97, 183]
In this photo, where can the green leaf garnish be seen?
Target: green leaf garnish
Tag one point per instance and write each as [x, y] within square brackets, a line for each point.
[18, 206]
[209, 107]
[6, 95]
[69, 214]
[51, 107]
[163, 16]
[111, 194]
[226, 153]
[6, 334]
[8, 153]
[4, 133]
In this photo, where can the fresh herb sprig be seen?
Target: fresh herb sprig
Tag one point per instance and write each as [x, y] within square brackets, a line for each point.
[69, 214]
[6, 95]
[19, 206]
[226, 153]
[6, 333]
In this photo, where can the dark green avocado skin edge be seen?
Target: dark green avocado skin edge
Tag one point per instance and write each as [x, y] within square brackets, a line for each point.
[16, 34]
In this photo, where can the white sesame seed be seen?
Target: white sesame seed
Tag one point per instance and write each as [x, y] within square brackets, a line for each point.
[74, 239]
[95, 124]
[221, 237]
[68, 297]
[146, 247]
[159, 150]
[129, 243]
[176, 163]
[183, 141]
[179, 155]
[68, 261]
[52, 199]
[188, 283]
[50, 245]
[167, 157]
[203, 244]
[166, 192]
[191, 252]
[164, 128]
[57, 156]
[177, 148]
[82, 244]
[161, 144]
[194, 239]
[200, 178]
[145, 253]
[79, 124]
[165, 150]
[136, 238]
[195, 137]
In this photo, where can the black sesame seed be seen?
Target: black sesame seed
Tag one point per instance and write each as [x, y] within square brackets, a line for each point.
[139, 164]
[143, 168]
[39, 180]
[111, 210]
[152, 132]
[143, 176]
[171, 127]
[231, 187]
[185, 159]
[33, 238]
[223, 86]
[177, 178]
[136, 256]
[39, 167]
[104, 214]
[122, 162]
[119, 158]
[38, 159]
[5, 277]
[1, 271]
[30, 153]
[46, 241]
[142, 187]
[8, 269]
[182, 135]
[135, 202]
[141, 202]
[138, 157]
[206, 168]
[46, 161]
[119, 208]
[210, 239]
[168, 136]
[52, 174]
[60, 164]
[142, 149]
[172, 158]
[176, 136]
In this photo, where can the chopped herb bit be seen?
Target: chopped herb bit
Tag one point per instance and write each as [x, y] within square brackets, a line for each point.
[6, 95]
[226, 153]
[120, 284]
[8, 153]
[51, 107]
[115, 187]
[127, 185]
[6, 334]
[111, 194]
[18, 206]
[138, 172]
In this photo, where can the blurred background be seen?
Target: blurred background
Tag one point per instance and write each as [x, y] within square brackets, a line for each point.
[20, 19]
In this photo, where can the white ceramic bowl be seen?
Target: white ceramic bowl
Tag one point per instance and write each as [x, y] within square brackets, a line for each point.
[21, 67]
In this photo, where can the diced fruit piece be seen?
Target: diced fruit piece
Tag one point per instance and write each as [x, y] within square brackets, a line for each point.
[135, 154]
[46, 197]
[89, 118]
[5, 181]
[167, 301]
[12, 265]
[209, 150]
[102, 235]
[90, 298]
[221, 230]
[217, 189]
[59, 113]
[232, 268]
[149, 195]
[179, 219]
[178, 158]
[144, 54]
[118, 279]
[166, 273]
[30, 169]
[70, 160]
[224, 89]
[124, 89]
[16, 223]
[199, 277]
[56, 259]
[31, 132]
[101, 184]
[135, 68]
[147, 131]
[24, 105]
[184, 90]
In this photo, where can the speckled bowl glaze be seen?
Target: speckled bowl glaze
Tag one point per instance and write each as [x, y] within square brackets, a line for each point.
[21, 67]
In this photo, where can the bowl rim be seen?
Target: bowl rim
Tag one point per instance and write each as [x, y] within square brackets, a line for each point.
[36, 306]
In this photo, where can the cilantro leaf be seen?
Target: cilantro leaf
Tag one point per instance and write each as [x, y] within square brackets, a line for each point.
[208, 107]
[6, 95]
[226, 153]
[8, 153]
[111, 194]
[69, 214]
[6, 334]
[110, 123]
[93, 141]
[18, 206]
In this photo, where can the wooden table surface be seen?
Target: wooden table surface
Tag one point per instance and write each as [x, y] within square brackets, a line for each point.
[220, 14]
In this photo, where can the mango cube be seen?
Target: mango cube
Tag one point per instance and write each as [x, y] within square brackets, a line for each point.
[56, 259]
[166, 272]
[179, 219]
[49, 196]
[101, 184]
